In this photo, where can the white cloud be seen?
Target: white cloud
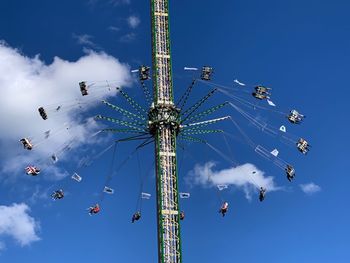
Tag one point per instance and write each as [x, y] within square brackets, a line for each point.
[133, 21]
[310, 188]
[85, 40]
[111, 2]
[2, 245]
[120, 2]
[127, 38]
[114, 28]
[28, 83]
[38, 193]
[246, 177]
[18, 224]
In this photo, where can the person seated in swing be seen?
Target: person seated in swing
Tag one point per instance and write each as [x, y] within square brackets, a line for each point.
[261, 92]
[59, 194]
[32, 170]
[182, 215]
[295, 117]
[26, 143]
[224, 208]
[94, 209]
[136, 217]
[206, 73]
[303, 146]
[144, 73]
[42, 113]
[290, 172]
[83, 88]
[262, 194]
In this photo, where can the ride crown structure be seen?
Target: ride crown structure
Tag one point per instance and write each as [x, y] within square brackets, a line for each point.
[164, 121]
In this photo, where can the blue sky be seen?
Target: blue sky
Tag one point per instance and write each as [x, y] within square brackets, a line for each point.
[299, 48]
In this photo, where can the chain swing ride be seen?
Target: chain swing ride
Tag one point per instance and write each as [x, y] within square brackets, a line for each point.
[163, 122]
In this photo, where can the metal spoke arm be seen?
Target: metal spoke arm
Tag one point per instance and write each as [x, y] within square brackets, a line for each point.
[199, 131]
[185, 96]
[132, 125]
[191, 139]
[134, 139]
[146, 142]
[132, 102]
[146, 93]
[123, 111]
[122, 130]
[205, 123]
[193, 108]
[207, 112]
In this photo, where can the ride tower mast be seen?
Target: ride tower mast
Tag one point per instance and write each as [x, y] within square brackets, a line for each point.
[164, 125]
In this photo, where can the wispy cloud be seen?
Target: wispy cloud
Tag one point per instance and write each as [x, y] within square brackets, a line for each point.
[310, 188]
[16, 222]
[110, 2]
[114, 28]
[120, 2]
[38, 194]
[127, 38]
[246, 177]
[92, 2]
[2, 245]
[133, 21]
[85, 40]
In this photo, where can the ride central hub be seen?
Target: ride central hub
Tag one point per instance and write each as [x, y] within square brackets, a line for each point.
[161, 115]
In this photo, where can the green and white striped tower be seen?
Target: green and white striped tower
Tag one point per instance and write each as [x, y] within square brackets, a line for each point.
[164, 124]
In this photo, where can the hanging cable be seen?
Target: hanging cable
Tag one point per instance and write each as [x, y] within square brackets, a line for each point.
[229, 149]
[231, 161]
[264, 127]
[245, 136]
[110, 172]
[212, 84]
[194, 107]
[226, 90]
[139, 198]
[110, 177]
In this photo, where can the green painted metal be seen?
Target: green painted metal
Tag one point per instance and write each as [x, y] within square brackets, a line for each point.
[193, 108]
[163, 123]
[123, 111]
[121, 130]
[135, 138]
[197, 125]
[133, 125]
[192, 139]
[132, 102]
[159, 203]
[146, 93]
[199, 131]
[154, 52]
[182, 102]
[205, 113]
[169, 49]
[177, 201]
